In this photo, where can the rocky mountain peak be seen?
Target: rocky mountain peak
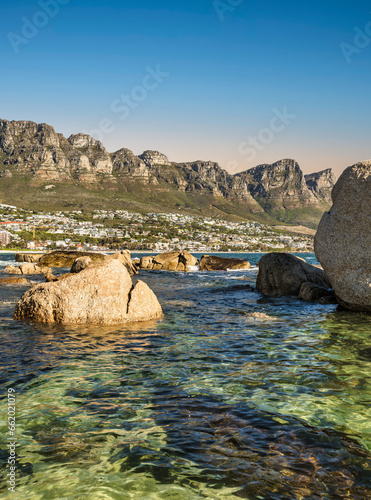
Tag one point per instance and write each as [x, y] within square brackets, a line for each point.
[283, 179]
[125, 163]
[85, 141]
[152, 158]
[321, 183]
[16, 135]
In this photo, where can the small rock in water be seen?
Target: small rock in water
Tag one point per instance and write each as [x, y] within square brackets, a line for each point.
[261, 316]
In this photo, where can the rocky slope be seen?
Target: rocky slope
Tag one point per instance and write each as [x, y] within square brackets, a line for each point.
[41, 156]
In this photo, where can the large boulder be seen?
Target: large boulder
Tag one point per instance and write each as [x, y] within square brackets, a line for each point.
[100, 294]
[214, 263]
[343, 240]
[283, 274]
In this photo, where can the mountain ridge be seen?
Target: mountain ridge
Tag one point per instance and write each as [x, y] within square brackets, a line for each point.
[39, 155]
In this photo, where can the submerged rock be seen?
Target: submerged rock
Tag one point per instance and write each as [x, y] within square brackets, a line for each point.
[343, 240]
[283, 274]
[101, 294]
[214, 263]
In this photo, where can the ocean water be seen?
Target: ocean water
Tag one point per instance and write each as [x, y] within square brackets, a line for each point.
[229, 396]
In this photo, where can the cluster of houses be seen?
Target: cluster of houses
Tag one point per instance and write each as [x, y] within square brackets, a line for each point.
[155, 231]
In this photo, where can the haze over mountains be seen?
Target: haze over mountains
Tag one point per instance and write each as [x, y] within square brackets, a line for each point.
[40, 169]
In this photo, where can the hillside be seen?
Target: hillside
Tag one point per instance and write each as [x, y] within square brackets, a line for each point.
[42, 170]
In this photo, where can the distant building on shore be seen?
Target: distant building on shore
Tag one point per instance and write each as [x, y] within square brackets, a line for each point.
[5, 238]
[7, 206]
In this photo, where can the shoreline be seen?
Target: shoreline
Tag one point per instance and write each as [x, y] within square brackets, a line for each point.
[147, 252]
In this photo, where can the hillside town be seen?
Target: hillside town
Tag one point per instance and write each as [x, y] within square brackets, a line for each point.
[105, 230]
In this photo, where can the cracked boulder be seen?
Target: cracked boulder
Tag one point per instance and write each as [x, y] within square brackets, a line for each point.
[101, 294]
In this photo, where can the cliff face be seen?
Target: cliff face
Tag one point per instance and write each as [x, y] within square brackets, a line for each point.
[37, 151]
[321, 183]
[47, 156]
[282, 183]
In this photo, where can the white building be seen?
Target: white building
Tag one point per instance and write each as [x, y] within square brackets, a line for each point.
[5, 237]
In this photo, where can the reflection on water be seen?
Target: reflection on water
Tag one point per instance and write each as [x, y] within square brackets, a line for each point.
[227, 397]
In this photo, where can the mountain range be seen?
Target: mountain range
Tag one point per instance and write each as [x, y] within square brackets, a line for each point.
[41, 169]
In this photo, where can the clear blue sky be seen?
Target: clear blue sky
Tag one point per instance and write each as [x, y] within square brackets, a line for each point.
[226, 73]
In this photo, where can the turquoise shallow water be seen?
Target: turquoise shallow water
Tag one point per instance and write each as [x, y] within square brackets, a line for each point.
[214, 401]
